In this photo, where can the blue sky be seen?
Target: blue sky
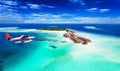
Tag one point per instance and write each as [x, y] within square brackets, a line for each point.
[60, 11]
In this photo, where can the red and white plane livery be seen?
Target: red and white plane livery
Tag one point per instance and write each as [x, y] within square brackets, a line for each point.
[21, 39]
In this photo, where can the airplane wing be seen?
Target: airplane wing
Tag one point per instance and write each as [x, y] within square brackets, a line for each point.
[16, 39]
[31, 37]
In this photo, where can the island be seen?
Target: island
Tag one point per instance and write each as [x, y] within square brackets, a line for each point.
[68, 34]
[53, 29]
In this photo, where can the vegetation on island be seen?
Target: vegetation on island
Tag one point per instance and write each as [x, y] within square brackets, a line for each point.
[53, 29]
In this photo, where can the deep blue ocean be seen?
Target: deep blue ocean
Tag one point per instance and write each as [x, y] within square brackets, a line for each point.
[109, 29]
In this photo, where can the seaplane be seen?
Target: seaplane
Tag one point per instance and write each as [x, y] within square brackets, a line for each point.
[20, 39]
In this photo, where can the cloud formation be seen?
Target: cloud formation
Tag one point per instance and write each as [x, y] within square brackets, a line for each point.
[104, 10]
[34, 11]
[34, 6]
[10, 17]
[81, 2]
[6, 8]
[69, 18]
[48, 18]
[9, 2]
[37, 6]
[101, 20]
[46, 6]
[98, 10]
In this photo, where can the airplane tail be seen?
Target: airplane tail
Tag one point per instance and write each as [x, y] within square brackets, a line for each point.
[8, 37]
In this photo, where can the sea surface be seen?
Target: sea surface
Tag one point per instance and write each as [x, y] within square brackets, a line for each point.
[103, 54]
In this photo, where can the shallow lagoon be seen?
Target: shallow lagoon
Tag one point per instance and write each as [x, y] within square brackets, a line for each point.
[100, 55]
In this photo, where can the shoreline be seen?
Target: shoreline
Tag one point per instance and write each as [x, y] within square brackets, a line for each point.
[53, 29]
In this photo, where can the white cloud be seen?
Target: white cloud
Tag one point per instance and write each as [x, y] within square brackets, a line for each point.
[81, 2]
[10, 17]
[68, 18]
[4, 8]
[48, 18]
[97, 10]
[9, 2]
[35, 15]
[47, 6]
[36, 6]
[53, 16]
[102, 20]
[23, 7]
[104, 10]
[92, 9]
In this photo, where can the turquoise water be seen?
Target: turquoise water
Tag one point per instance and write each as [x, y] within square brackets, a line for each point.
[100, 55]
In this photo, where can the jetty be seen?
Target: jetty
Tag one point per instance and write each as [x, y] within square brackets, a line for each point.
[76, 39]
